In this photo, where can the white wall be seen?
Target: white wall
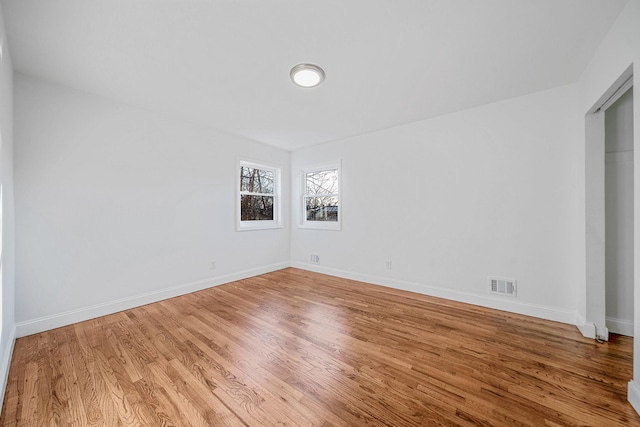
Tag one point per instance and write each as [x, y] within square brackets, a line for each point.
[7, 328]
[619, 215]
[117, 206]
[619, 50]
[454, 199]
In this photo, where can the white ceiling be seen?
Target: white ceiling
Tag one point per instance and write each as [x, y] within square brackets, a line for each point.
[225, 63]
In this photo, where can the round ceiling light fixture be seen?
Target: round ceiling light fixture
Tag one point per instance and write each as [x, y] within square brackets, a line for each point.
[307, 75]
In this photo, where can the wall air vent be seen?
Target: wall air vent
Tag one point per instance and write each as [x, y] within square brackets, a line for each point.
[502, 286]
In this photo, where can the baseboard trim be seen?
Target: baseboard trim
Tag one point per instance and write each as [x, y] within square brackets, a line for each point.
[542, 312]
[587, 329]
[620, 326]
[45, 323]
[633, 395]
[5, 363]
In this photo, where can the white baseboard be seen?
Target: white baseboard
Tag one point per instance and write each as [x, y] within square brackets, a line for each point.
[543, 312]
[633, 395]
[57, 320]
[5, 363]
[620, 326]
[45, 323]
[590, 330]
[587, 329]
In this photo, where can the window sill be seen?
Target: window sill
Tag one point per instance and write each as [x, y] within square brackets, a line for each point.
[252, 227]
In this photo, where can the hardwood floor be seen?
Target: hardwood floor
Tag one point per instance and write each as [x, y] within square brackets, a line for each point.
[298, 348]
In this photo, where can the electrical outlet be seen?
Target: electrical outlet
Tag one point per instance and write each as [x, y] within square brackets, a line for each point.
[387, 264]
[314, 258]
[212, 264]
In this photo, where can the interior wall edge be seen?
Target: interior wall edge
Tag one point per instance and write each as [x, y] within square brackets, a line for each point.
[512, 306]
[45, 323]
[5, 363]
[633, 395]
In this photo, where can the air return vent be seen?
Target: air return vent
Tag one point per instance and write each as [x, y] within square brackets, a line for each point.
[502, 286]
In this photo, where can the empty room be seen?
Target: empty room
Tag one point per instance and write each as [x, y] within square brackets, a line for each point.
[339, 213]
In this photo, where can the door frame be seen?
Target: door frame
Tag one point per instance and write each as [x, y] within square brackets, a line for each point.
[595, 314]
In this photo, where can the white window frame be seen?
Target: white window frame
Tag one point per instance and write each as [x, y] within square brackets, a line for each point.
[321, 225]
[277, 199]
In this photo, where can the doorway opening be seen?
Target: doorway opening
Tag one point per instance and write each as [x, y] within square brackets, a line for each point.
[609, 212]
[619, 215]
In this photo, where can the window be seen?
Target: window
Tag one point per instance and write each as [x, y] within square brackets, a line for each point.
[259, 196]
[321, 199]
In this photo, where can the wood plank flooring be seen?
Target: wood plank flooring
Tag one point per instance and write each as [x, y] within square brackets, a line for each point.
[297, 348]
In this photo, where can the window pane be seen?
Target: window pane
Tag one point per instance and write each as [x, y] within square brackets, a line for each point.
[321, 208]
[256, 180]
[256, 208]
[322, 182]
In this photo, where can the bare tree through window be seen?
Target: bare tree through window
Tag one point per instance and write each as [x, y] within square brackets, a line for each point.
[321, 195]
[256, 194]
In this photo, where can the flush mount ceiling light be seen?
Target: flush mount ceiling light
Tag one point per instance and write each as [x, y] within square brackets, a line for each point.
[307, 75]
